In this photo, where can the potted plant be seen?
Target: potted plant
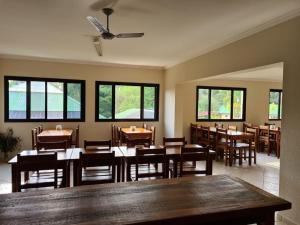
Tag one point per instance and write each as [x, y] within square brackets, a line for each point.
[9, 142]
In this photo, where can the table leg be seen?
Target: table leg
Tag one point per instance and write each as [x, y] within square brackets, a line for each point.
[119, 170]
[128, 170]
[209, 164]
[269, 219]
[123, 169]
[250, 152]
[67, 174]
[175, 166]
[240, 156]
[75, 168]
[231, 152]
[14, 178]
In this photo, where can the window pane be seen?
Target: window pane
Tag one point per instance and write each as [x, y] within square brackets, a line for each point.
[220, 104]
[17, 99]
[73, 100]
[274, 105]
[127, 102]
[55, 100]
[105, 102]
[238, 104]
[202, 104]
[37, 100]
[149, 102]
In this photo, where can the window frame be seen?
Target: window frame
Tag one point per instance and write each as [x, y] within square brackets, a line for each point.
[232, 89]
[28, 98]
[114, 84]
[279, 104]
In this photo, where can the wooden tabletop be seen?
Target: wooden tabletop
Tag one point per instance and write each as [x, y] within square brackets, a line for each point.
[192, 200]
[136, 131]
[62, 155]
[56, 133]
[76, 151]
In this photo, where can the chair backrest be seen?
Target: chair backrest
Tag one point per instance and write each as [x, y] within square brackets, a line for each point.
[45, 161]
[245, 125]
[264, 131]
[253, 131]
[269, 124]
[232, 127]
[40, 129]
[140, 141]
[145, 126]
[151, 156]
[193, 154]
[51, 145]
[105, 144]
[152, 128]
[34, 138]
[171, 142]
[77, 137]
[114, 134]
[219, 125]
[221, 136]
[89, 160]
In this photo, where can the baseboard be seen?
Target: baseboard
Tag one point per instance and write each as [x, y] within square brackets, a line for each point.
[285, 220]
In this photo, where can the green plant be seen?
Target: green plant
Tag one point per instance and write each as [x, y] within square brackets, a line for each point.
[9, 142]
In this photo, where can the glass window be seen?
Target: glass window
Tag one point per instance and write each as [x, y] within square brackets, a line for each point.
[275, 103]
[203, 104]
[105, 102]
[220, 103]
[37, 100]
[149, 102]
[46, 99]
[17, 102]
[73, 100]
[126, 101]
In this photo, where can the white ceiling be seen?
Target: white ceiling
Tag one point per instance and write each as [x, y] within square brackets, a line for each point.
[268, 73]
[175, 30]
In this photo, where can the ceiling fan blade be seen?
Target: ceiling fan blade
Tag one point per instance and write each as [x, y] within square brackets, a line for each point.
[98, 45]
[100, 4]
[98, 26]
[130, 35]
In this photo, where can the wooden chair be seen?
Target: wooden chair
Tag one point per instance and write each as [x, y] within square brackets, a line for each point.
[34, 138]
[232, 127]
[150, 156]
[40, 129]
[192, 154]
[115, 136]
[92, 168]
[254, 142]
[99, 145]
[219, 125]
[145, 126]
[75, 142]
[205, 137]
[269, 124]
[41, 162]
[245, 125]
[140, 141]
[152, 128]
[174, 142]
[264, 138]
[222, 144]
[52, 145]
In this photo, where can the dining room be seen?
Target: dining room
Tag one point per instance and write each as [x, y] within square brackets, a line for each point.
[137, 129]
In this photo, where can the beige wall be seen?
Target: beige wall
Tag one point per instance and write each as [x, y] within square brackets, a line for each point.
[88, 129]
[278, 44]
[257, 101]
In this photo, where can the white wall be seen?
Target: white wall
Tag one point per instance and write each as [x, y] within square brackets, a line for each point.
[277, 44]
[88, 129]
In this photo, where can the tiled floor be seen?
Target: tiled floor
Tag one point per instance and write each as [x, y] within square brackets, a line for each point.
[265, 174]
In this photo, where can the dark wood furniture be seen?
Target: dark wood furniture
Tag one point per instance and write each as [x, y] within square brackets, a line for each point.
[139, 141]
[144, 160]
[56, 135]
[119, 156]
[210, 200]
[92, 168]
[75, 141]
[34, 133]
[63, 159]
[98, 145]
[193, 153]
[138, 133]
[40, 146]
[43, 162]
[172, 142]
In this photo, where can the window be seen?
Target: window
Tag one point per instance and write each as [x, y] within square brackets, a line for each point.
[220, 104]
[37, 99]
[126, 101]
[275, 103]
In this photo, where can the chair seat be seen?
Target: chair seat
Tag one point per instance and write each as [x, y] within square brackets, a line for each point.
[241, 145]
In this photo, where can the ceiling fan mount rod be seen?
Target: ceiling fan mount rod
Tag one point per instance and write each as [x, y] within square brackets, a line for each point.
[107, 12]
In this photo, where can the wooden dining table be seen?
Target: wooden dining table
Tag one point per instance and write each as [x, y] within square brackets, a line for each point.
[172, 152]
[137, 133]
[53, 135]
[210, 200]
[63, 158]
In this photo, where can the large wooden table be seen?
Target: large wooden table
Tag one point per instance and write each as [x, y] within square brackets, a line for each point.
[173, 153]
[63, 157]
[211, 200]
[55, 135]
